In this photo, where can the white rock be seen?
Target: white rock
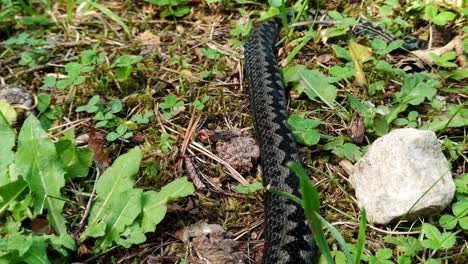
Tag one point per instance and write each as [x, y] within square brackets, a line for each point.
[396, 174]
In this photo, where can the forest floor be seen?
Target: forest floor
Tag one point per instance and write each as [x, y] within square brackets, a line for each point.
[168, 76]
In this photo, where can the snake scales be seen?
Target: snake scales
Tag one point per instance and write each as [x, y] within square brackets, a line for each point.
[288, 237]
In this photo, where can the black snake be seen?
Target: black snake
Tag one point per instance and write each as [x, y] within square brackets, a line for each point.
[287, 235]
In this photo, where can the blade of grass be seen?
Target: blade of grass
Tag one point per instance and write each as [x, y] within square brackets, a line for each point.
[287, 195]
[311, 205]
[450, 119]
[361, 237]
[295, 51]
[111, 15]
[336, 234]
[70, 7]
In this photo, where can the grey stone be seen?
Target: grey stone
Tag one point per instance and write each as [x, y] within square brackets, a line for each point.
[403, 173]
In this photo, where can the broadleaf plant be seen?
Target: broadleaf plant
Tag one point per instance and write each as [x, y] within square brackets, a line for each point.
[33, 178]
[122, 213]
[37, 162]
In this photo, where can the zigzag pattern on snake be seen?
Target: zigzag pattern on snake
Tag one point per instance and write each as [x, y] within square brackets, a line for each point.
[287, 235]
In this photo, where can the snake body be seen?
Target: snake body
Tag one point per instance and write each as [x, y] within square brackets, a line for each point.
[288, 238]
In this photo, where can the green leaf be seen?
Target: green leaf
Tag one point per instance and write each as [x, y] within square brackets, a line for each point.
[431, 232]
[456, 116]
[43, 102]
[378, 44]
[462, 184]
[111, 186]
[275, 3]
[436, 240]
[127, 135]
[290, 73]
[125, 208]
[299, 122]
[384, 253]
[342, 72]
[463, 222]
[400, 121]
[445, 59]
[19, 40]
[7, 156]
[37, 161]
[303, 129]
[451, 55]
[211, 54]
[21, 208]
[333, 144]
[448, 221]
[382, 48]
[114, 106]
[94, 100]
[11, 192]
[241, 29]
[431, 11]
[409, 245]
[342, 53]
[442, 18]
[49, 82]
[340, 258]
[64, 83]
[99, 116]
[142, 119]
[458, 74]
[394, 45]
[73, 69]
[37, 252]
[121, 129]
[248, 188]
[87, 68]
[155, 203]
[122, 61]
[92, 106]
[298, 48]
[79, 80]
[61, 243]
[8, 111]
[20, 243]
[316, 84]
[124, 73]
[76, 161]
[89, 56]
[132, 235]
[412, 116]
[460, 209]
[416, 88]
[357, 105]
[447, 240]
[404, 260]
[169, 101]
[177, 12]
[384, 66]
[165, 143]
[350, 151]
